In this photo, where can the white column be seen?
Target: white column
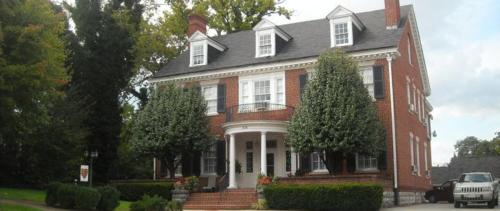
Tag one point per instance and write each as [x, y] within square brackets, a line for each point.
[232, 162]
[263, 153]
[293, 160]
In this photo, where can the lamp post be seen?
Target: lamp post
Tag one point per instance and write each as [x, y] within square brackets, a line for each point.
[93, 154]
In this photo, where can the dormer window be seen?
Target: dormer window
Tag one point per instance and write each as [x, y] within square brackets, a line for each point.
[344, 25]
[341, 34]
[200, 46]
[269, 38]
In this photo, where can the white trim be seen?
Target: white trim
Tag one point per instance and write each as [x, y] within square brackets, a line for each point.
[420, 53]
[418, 154]
[202, 163]
[412, 153]
[340, 12]
[272, 67]
[199, 36]
[272, 35]
[251, 79]
[203, 43]
[320, 170]
[215, 87]
[333, 22]
[365, 169]
[266, 24]
[255, 126]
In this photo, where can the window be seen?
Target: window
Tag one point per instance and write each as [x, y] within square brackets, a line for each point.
[412, 154]
[417, 157]
[426, 160]
[280, 92]
[414, 94]
[198, 55]
[409, 50]
[262, 90]
[249, 161]
[418, 104]
[210, 95]
[209, 160]
[367, 75]
[366, 163]
[288, 161]
[265, 44]
[408, 92]
[341, 34]
[317, 163]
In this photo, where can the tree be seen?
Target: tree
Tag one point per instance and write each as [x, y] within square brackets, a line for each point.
[472, 146]
[336, 115]
[160, 41]
[173, 123]
[101, 62]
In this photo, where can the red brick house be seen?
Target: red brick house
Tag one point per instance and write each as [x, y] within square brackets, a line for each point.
[252, 81]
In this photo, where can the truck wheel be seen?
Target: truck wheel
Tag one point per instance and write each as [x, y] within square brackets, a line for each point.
[457, 204]
[432, 199]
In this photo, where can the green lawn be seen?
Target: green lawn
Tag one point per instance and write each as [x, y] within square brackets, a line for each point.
[36, 196]
[12, 207]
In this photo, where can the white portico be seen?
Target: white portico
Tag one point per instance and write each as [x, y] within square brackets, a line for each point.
[259, 147]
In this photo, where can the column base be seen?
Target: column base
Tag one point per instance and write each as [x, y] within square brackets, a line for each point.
[232, 187]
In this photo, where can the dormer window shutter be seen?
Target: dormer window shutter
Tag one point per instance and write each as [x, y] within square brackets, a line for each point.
[221, 98]
[302, 84]
[378, 80]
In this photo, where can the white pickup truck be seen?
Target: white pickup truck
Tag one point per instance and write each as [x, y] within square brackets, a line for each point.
[476, 187]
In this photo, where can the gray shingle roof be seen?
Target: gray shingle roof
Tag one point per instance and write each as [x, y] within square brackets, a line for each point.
[309, 39]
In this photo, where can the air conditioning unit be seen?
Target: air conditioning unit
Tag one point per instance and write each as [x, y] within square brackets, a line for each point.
[413, 169]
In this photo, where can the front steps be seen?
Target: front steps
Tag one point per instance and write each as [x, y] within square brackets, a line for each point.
[233, 199]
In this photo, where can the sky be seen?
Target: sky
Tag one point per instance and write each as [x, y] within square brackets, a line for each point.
[461, 43]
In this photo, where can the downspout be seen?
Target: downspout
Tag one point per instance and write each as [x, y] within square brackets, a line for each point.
[393, 130]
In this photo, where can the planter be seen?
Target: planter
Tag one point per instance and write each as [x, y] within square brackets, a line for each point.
[180, 195]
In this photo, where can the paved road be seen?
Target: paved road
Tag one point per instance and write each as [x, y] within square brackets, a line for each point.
[438, 207]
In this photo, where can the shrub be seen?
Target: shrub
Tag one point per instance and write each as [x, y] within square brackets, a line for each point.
[148, 203]
[261, 204]
[86, 198]
[51, 194]
[66, 194]
[110, 198]
[192, 183]
[342, 197]
[174, 206]
[135, 191]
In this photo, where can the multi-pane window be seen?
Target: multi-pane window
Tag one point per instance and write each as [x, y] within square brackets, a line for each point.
[210, 95]
[409, 51]
[198, 54]
[265, 44]
[280, 92]
[408, 92]
[367, 75]
[426, 160]
[417, 157]
[341, 34]
[317, 163]
[365, 162]
[249, 161]
[262, 90]
[209, 160]
[412, 153]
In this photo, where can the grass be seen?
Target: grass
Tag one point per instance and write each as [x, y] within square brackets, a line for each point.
[22, 194]
[36, 196]
[13, 207]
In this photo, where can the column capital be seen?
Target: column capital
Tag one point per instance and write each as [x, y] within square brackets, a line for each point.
[263, 132]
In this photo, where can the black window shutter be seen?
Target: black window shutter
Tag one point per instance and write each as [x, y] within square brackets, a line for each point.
[302, 83]
[305, 162]
[378, 81]
[197, 163]
[351, 163]
[221, 98]
[382, 160]
[221, 157]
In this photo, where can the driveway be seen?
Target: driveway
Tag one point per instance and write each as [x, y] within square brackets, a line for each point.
[438, 207]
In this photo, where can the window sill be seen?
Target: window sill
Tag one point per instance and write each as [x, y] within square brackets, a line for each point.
[323, 171]
[212, 114]
[361, 171]
[208, 174]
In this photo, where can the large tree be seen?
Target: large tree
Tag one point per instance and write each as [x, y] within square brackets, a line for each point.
[172, 124]
[336, 115]
[101, 63]
[161, 40]
[472, 146]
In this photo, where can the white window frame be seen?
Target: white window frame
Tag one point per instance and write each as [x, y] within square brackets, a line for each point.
[204, 156]
[214, 98]
[417, 147]
[409, 51]
[412, 154]
[191, 52]
[426, 159]
[408, 92]
[258, 35]
[320, 164]
[414, 103]
[248, 96]
[418, 105]
[178, 170]
[370, 169]
[333, 22]
[363, 72]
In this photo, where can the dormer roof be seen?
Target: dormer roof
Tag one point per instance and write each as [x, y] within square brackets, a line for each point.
[199, 36]
[265, 24]
[342, 12]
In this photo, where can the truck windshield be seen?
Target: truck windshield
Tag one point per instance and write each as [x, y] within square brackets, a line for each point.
[475, 178]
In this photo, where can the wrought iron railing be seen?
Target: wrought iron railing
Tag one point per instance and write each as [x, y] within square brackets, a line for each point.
[259, 111]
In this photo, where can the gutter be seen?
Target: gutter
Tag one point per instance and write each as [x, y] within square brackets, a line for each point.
[393, 130]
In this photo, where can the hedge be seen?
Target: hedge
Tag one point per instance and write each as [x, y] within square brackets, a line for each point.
[86, 198]
[110, 198]
[149, 203]
[70, 196]
[135, 191]
[338, 197]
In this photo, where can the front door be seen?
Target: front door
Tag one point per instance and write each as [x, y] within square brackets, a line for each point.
[270, 164]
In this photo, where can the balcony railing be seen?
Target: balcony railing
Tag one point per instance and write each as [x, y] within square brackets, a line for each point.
[259, 111]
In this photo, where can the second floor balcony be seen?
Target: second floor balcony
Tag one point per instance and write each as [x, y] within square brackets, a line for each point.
[259, 111]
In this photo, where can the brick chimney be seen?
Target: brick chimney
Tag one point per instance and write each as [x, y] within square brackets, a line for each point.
[196, 23]
[392, 14]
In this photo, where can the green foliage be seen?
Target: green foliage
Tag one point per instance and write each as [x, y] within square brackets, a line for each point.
[336, 114]
[174, 122]
[101, 63]
[192, 183]
[66, 196]
[341, 197]
[134, 191]
[87, 198]
[110, 198]
[51, 194]
[472, 146]
[148, 203]
[174, 206]
[261, 204]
